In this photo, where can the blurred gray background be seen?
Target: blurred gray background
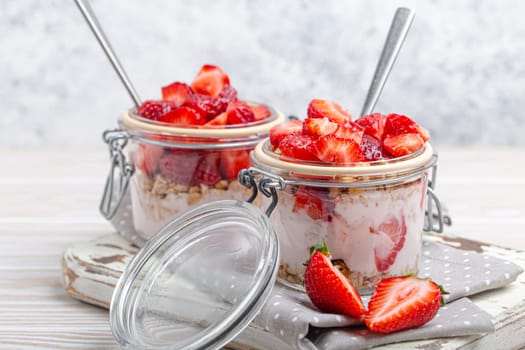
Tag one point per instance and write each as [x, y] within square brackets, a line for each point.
[461, 72]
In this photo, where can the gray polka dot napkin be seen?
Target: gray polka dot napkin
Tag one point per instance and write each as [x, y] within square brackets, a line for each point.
[290, 316]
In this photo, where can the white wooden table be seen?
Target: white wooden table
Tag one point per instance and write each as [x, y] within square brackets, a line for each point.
[49, 201]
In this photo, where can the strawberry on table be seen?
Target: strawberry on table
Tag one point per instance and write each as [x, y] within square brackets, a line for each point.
[403, 302]
[397, 124]
[207, 171]
[239, 112]
[183, 116]
[402, 144]
[329, 289]
[331, 110]
[278, 132]
[178, 166]
[147, 158]
[389, 240]
[177, 92]
[210, 81]
[299, 146]
[232, 161]
[316, 204]
[319, 126]
[155, 110]
[330, 148]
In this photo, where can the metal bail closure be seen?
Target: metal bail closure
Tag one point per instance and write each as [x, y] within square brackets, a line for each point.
[120, 172]
[432, 218]
[259, 180]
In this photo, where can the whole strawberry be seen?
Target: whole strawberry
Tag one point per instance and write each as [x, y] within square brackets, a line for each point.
[403, 302]
[328, 288]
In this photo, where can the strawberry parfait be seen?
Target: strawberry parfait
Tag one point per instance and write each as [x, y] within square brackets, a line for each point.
[188, 147]
[359, 185]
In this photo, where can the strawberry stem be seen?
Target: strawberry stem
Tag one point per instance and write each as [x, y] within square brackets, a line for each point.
[323, 248]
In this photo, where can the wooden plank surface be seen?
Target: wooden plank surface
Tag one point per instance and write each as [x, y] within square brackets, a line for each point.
[49, 201]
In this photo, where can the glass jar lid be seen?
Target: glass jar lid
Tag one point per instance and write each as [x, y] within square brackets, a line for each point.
[198, 282]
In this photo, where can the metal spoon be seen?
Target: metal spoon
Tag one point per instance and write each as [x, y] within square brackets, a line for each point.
[396, 36]
[91, 19]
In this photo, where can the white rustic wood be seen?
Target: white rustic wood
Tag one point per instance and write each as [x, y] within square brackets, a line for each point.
[49, 202]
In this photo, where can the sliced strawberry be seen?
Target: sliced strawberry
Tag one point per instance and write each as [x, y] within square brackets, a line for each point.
[207, 171]
[179, 166]
[207, 106]
[220, 120]
[183, 116]
[389, 240]
[232, 161]
[228, 94]
[333, 149]
[331, 110]
[329, 289]
[278, 132]
[155, 110]
[178, 93]
[403, 302]
[350, 131]
[396, 124]
[316, 204]
[374, 124]
[210, 80]
[239, 113]
[403, 144]
[260, 112]
[319, 126]
[298, 147]
[373, 148]
[147, 158]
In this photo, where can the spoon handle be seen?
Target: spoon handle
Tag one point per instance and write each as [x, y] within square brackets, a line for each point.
[396, 36]
[91, 19]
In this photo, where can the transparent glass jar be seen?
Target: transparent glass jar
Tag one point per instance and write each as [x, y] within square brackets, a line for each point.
[169, 170]
[371, 215]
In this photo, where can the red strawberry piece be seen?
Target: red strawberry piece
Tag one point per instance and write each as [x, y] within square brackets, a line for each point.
[350, 131]
[388, 241]
[333, 149]
[210, 80]
[155, 110]
[232, 161]
[147, 158]
[403, 302]
[319, 126]
[403, 144]
[396, 124]
[374, 124]
[373, 148]
[278, 132]
[298, 147]
[328, 289]
[207, 171]
[179, 165]
[178, 93]
[183, 116]
[316, 204]
[239, 113]
[206, 106]
[220, 120]
[228, 94]
[331, 110]
[260, 112]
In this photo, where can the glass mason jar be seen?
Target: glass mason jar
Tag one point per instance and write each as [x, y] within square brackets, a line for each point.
[371, 215]
[171, 169]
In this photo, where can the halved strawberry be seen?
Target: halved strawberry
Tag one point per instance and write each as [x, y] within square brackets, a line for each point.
[403, 302]
[155, 110]
[278, 132]
[397, 124]
[147, 158]
[333, 149]
[331, 110]
[403, 144]
[207, 171]
[232, 161]
[239, 113]
[299, 147]
[260, 112]
[373, 148]
[179, 166]
[389, 240]
[183, 116]
[177, 92]
[220, 120]
[210, 80]
[319, 126]
[329, 289]
[350, 131]
[374, 124]
[316, 204]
